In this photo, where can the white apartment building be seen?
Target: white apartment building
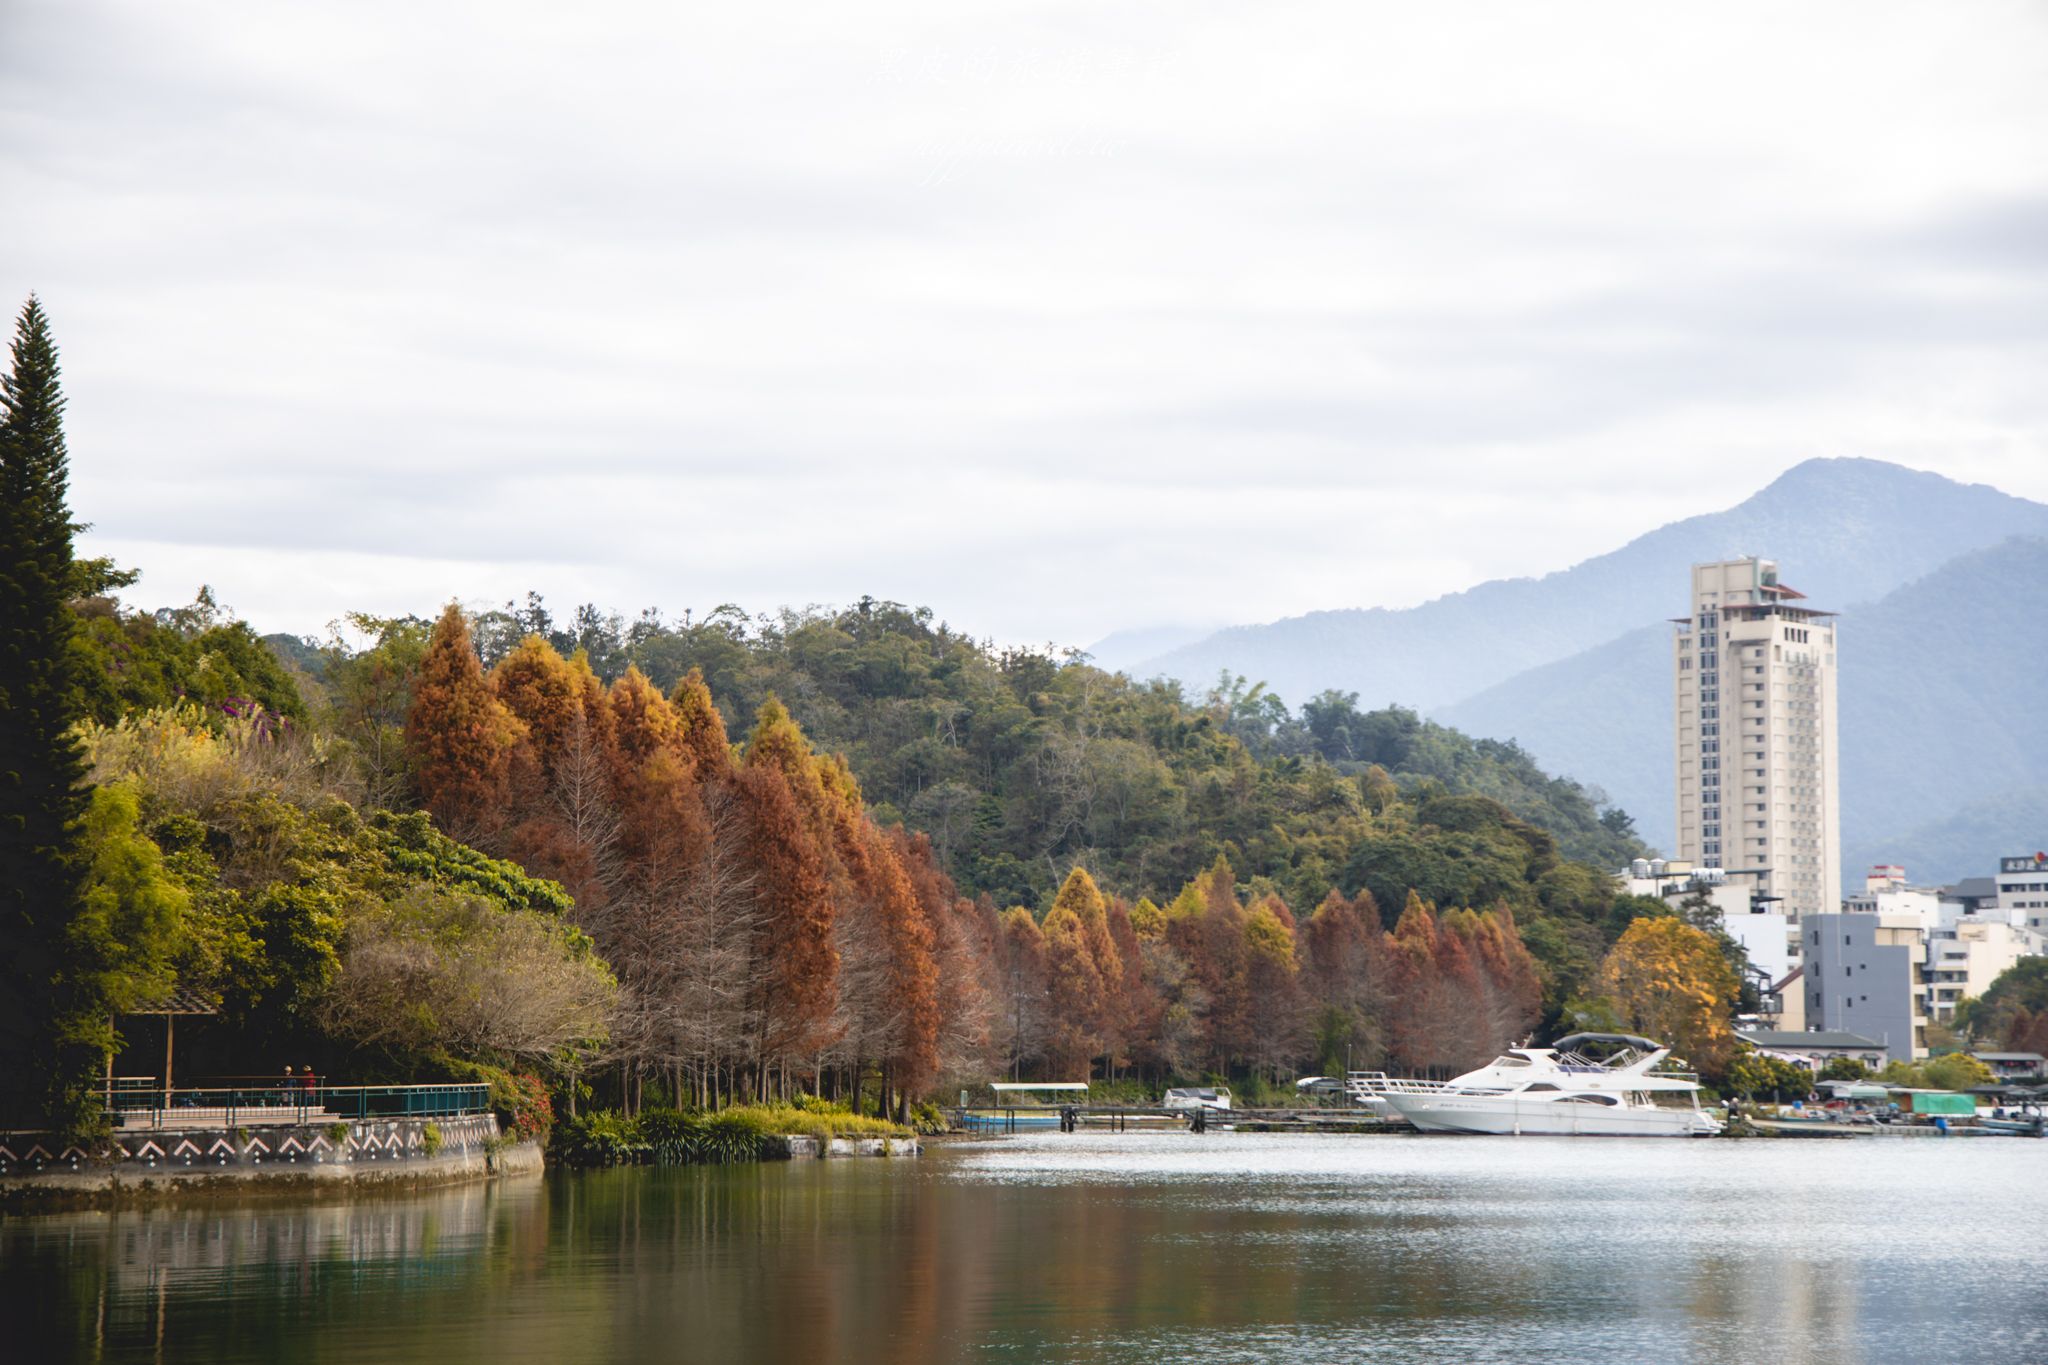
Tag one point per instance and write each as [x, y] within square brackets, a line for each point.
[1964, 958]
[2023, 890]
[1885, 893]
[1758, 792]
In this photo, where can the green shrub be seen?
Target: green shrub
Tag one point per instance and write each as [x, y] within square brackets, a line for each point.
[524, 1107]
[521, 1102]
[337, 1133]
[430, 1138]
[731, 1137]
[673, 1138]
[601, 1139]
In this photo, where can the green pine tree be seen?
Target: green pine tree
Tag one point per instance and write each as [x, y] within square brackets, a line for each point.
[48, 1015]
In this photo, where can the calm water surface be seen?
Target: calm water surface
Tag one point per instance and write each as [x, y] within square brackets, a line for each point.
[1113, 1248]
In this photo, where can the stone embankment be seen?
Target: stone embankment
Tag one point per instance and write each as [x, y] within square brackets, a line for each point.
[801, 1148]
[144, 1165]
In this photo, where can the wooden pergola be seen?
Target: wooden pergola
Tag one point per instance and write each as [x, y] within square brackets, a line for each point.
[179, 1000]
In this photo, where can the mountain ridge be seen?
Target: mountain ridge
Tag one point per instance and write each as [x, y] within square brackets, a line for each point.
[1943, 711]
[1845, 531]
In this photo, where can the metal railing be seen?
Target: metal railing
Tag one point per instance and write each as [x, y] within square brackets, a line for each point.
[1360, 1084]
[285, 1102]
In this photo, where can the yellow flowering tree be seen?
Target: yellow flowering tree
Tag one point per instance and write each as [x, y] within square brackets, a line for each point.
[1671, 982]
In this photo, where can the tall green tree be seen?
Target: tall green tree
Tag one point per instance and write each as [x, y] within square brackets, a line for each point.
[46, 992]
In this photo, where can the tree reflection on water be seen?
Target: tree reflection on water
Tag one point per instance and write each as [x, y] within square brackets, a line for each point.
[1226, 1247]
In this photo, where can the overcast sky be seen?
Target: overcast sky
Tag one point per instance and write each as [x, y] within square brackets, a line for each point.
[1058, 318]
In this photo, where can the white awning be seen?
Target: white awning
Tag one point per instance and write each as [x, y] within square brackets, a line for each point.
[1001, 1086]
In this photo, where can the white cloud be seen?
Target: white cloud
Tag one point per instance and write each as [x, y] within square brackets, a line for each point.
[1056, 317]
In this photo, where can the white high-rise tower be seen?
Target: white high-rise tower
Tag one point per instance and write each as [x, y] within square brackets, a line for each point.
[1758, 793]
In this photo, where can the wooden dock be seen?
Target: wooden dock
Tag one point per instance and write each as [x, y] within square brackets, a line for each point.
[1140, 1118]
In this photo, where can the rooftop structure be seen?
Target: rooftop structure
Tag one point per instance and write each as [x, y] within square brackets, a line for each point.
[1811, 1040]
[2023, 890]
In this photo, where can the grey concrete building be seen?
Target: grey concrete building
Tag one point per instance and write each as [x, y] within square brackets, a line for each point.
[1865, 975]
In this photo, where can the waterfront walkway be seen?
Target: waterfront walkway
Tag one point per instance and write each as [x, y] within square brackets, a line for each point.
[138, 1107]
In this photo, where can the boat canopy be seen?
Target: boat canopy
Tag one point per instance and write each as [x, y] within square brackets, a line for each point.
[1571, 1042]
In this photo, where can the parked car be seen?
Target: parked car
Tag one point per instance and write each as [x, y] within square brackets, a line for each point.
[1319, 1087]
[1198, 1097]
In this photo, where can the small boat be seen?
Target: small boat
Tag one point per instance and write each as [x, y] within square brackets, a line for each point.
[1558, 1090]
[1210, 1098]
[2024, 1127]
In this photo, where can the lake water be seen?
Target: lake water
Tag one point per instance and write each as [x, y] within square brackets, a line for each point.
[1220, 1247]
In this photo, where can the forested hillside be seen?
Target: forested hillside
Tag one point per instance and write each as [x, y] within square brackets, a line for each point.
[607, 888]
[1021, 763]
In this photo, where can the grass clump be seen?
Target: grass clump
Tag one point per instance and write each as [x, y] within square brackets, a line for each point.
[680, 1137]
[809, 1117]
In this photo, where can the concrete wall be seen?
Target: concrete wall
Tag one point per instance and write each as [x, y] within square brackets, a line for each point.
[259, 1157]
[798, 1148]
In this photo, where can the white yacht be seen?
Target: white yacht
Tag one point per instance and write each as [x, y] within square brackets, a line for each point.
[1553, 1090]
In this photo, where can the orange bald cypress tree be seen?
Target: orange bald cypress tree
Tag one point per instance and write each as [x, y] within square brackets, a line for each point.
[1073, 995]
[1137, 1004]
[1106, 1013]
[539, 686]
[962, 955]
[1424, 1020]
[658, 928]
[888, 1010]
[792, 990]
[1023, 1013]
[777, 740]
[703, 728]
[1272, 987]
[1346, 976]
[905, 1028]
[463, 741]
[1207, 930]
[663, 826]
[567, 820]
[1508, 995]
[645, 724]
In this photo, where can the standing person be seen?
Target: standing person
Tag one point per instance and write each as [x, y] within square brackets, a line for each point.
[285, 1095]
[308, 1084]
